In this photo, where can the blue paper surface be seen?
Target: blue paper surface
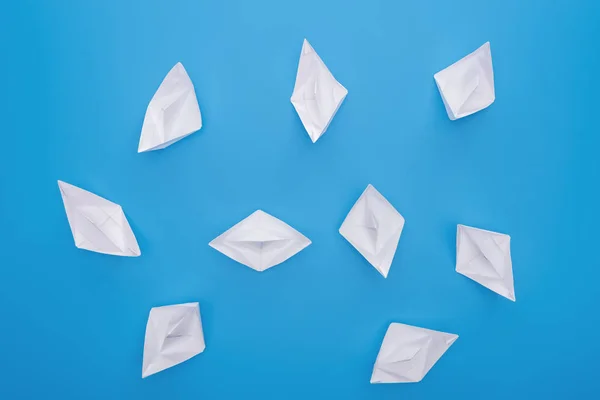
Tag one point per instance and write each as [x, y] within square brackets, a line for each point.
[77, 77]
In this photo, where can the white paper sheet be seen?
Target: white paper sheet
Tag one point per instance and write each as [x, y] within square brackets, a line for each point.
[408, 353]
[173, 112]
[260, 241]
[97, 224]
[373, 227]
[317, 94]
[467, 86]
[484, 256]
[173, 335]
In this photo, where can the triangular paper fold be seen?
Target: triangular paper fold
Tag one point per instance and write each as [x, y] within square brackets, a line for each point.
[484, 256]
[260, 241]
[373, 227]
[317, 94]
[173, 112]
[408, 353]
[467, 86]
[173, 335]
[97, 224]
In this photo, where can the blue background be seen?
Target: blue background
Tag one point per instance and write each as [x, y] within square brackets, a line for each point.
[77, 77]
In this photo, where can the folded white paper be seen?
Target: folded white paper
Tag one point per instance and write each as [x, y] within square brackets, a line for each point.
[408, 353]
[317, 95]
[173, 335]
[484, 256]
[97, 224]
[373, 227]
[467, 86]
[260, 241]
[173, 112]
